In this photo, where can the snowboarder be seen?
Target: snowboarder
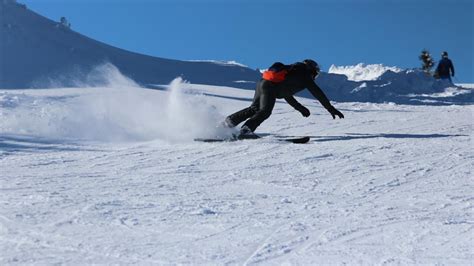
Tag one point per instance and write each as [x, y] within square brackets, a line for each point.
[445, 66]
[280, 82]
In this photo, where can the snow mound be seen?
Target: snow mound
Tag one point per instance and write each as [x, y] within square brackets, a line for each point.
[466, 85]
[361, 72]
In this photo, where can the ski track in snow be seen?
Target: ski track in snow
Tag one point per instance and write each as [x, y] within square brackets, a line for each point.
[390, 184]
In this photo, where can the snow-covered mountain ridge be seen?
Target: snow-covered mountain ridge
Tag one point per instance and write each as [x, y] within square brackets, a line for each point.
[38, 52]
[362, 72]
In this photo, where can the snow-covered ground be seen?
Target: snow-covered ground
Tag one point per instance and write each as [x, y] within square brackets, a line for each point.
[111, 175]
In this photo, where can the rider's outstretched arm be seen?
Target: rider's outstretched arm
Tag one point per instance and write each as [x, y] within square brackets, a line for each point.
[319, 94]
[298, 106]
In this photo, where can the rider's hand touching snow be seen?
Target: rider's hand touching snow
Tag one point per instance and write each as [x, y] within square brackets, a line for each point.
[304, 112]
[334, 112]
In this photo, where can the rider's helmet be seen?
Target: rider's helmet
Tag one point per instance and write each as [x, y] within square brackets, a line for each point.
[313, 67]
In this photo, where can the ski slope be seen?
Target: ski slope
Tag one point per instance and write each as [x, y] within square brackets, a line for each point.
[112, 176]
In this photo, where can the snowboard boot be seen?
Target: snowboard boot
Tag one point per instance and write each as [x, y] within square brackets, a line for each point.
[247, 133]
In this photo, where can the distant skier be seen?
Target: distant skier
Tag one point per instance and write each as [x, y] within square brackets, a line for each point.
[445, 67]
[280, 82]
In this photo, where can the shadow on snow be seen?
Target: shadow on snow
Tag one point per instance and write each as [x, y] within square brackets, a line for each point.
[353, 136]
[18, 143]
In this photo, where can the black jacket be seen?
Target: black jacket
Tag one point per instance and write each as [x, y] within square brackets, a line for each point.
[444, 66]
[298, 79]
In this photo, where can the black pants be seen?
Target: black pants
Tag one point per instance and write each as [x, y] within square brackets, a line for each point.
[260, 109]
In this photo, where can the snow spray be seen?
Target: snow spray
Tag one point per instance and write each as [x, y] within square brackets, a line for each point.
[108, 106]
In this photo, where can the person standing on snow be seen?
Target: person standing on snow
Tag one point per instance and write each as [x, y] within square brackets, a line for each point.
[280, 82]
[445, 66]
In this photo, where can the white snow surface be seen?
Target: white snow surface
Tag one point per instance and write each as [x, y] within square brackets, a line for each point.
[111, 175]
[362, 72]
[466, 85]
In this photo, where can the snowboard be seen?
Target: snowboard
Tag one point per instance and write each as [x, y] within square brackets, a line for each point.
[297, 140]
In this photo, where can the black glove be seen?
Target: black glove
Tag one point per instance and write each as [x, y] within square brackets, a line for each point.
[335, 112]
[304, 111]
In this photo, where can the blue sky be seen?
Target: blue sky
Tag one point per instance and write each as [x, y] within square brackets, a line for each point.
[259, 32]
